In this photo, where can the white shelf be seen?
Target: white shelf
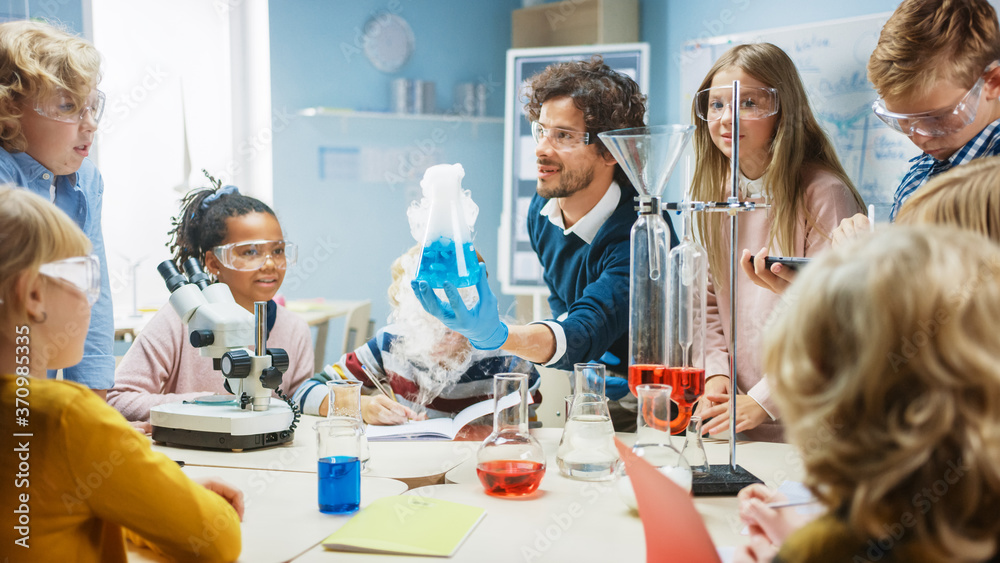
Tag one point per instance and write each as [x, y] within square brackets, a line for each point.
[435, 117]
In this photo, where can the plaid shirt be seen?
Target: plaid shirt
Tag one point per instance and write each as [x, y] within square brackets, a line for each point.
[924, 167]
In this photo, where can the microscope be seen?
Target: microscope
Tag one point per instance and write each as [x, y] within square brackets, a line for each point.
[223, 330]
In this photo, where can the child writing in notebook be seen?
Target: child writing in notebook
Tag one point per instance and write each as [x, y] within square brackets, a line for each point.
[84, 474]
[430, 368]
[785, 160]
[889, 353]
[49, 110]
[239, 242]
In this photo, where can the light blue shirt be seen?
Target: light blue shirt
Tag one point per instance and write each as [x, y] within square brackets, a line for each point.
[80, 196]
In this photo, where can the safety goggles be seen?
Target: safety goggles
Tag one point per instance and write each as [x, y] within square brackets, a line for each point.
[252, 255]
[559, 138]
[755, 103]
[83, 272]
[62, 107]
[936, 123]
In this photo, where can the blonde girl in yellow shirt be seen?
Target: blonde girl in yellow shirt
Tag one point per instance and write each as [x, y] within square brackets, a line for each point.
[77, 479]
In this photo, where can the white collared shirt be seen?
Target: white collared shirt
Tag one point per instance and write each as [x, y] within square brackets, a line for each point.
[588, 225]
[752, 188]
[586, 228]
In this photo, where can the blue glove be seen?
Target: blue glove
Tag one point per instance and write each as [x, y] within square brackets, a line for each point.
[481, 324]
[609, 359]
[614, 387]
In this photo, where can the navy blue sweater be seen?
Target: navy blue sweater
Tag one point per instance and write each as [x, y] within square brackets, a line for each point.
[589, 282]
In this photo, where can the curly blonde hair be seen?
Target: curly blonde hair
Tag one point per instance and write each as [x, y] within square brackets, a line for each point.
[966, 196]
[32, 232]
[38, 60]
[885, 368]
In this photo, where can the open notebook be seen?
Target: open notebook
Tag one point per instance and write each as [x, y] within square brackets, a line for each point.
[439, 428]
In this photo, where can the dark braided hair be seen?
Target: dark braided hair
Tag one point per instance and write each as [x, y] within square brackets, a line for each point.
[608, 99]
[198, 229]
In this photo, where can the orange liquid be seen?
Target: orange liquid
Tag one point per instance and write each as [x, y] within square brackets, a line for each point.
[688, 385]
[510, 478]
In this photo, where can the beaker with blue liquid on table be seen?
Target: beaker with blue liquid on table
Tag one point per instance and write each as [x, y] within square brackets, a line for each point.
[339, 452]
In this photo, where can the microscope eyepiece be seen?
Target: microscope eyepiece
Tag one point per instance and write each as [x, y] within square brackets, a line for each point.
[195, 274]
[174, 278]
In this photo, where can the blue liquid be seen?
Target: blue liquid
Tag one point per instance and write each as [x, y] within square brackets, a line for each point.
[339, 484]
[438, 264]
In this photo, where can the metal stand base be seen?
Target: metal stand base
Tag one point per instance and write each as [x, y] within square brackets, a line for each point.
[723, 481]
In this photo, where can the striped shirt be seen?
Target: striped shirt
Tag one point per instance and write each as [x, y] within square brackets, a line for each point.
[408, 379]
[925, 167]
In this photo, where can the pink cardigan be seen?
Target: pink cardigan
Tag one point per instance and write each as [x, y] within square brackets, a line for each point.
[161, 366]
[829, 201]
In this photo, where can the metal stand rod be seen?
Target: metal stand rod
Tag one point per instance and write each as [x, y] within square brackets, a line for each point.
[734, 198]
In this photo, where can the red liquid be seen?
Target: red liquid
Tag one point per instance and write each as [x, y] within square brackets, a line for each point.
[640, 374]
[510, 478]
[688, 385]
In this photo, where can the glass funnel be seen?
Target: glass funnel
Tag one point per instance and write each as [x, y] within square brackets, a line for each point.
[653, 443]
[448, 254]
[648, 156]
[510, 462]
[686, 301]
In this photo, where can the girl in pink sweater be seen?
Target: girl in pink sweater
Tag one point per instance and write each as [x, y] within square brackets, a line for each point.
[785, 160]
[239, 241]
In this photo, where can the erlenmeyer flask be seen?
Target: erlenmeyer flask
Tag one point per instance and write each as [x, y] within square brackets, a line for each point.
[694, 449]
[345, 404]
[653, 443]
[685, 342]
[587, 447]
[510, 462]
[448, 254]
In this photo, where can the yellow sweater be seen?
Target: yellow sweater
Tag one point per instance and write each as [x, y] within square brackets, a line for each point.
[77, 474]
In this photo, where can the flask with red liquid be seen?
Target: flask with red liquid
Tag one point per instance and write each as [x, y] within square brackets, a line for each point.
[687, 288]
[510, 462]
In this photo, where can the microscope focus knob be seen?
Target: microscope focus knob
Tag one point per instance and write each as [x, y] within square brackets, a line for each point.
[279, 359]
[270, 378]
[236, 363]
[202, 338]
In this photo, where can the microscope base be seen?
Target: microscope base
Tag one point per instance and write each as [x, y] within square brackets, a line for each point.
[221, 427]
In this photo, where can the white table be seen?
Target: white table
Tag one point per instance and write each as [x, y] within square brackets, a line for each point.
[570, 520]
[281, 518]
[416, 463]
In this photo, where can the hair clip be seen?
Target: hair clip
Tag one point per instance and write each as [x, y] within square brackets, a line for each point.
[224, 190]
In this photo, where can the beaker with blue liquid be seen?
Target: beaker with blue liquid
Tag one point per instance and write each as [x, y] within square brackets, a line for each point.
[339, 466]
[448, 253]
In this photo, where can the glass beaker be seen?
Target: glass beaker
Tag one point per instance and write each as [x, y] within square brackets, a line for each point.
[685, 338]
[339, 466]
[653, 442]
[694, 449]
[345, 404]
[587, 447]
[510, 462]
[448, 254]
[588, 378]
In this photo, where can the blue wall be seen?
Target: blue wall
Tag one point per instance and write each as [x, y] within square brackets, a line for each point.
[315, 61]
[69, 13]
[350, 228]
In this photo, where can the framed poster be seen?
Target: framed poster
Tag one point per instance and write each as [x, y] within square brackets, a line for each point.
[519, 270]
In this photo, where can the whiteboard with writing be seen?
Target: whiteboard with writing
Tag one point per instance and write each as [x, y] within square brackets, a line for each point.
[831, 58]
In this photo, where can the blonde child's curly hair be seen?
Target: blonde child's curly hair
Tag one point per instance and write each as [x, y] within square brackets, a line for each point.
[37, 61]
[884, 364]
